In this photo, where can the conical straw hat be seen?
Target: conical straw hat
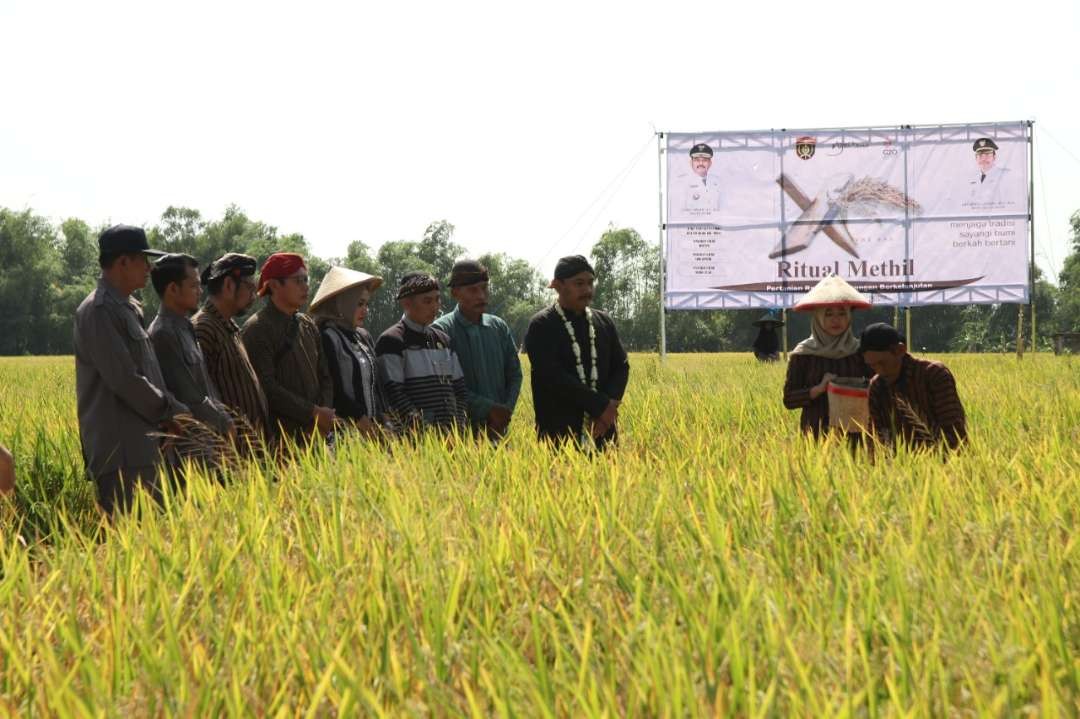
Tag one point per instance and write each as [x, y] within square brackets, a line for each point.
[339, 279]
[767, 319]
[832, 291]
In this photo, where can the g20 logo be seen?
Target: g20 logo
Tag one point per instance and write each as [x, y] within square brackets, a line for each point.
[890, 150]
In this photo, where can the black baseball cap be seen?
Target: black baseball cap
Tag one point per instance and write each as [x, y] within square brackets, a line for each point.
[125, 239]
[879, 337]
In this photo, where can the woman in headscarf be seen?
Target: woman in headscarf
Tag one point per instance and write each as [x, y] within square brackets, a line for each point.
[831, 351]
[340, 308]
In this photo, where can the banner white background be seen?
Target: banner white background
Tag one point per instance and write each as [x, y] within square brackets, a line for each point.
[908, 215]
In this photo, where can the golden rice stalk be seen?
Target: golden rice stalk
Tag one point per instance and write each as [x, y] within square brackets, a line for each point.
[198, 443]
[868, 193]
[248, 439]
[921, 430]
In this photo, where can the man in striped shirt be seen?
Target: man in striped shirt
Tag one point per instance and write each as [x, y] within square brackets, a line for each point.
[911, 399]
[417, 363]
[230, 283]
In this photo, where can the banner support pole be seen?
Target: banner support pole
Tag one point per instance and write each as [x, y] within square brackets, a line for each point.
[660, 226]
[783, 318]
[1020, 332]
[907, 326]
[1031, 225]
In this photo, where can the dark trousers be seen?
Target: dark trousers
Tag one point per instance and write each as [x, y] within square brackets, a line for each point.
[116, 490]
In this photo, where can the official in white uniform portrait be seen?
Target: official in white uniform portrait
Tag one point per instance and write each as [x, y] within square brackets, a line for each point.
[696, 194]
[985, 185]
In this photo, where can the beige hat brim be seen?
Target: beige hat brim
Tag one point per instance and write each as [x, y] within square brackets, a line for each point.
[832, 291]
[339, 279]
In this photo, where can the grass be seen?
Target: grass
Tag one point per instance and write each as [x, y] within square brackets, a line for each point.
[716, 563]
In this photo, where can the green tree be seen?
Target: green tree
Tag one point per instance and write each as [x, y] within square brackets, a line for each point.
[394, 258]
[1068, 311]
[30, 256]
[78, 252]
[517, 291]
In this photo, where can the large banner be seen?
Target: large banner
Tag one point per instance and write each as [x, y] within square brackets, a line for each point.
[912, 215]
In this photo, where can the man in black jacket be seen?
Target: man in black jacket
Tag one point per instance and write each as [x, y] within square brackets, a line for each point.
[579, 366]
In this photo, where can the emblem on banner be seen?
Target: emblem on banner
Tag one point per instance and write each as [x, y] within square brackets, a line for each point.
[805, 146]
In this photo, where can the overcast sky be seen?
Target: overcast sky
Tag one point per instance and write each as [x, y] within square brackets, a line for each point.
[527, 125]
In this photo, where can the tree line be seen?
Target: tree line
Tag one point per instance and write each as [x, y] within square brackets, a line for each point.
[49, 269]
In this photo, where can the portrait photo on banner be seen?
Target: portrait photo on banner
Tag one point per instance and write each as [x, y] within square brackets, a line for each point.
[714, 179]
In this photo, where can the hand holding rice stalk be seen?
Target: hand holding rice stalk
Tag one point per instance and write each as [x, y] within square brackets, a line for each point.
[196, 442]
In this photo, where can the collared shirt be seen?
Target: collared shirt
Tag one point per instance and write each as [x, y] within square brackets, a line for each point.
[922, 407]
[986, 189]
[489, 360]
[119, 386]
[184, 368]
[422, 375]
[286, 352]
[228, 366]
[695, 196]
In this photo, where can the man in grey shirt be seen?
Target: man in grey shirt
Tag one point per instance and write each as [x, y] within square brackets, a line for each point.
[176, 280]
[121, 392]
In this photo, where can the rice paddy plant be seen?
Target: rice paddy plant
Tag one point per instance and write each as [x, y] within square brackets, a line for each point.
[716, 563]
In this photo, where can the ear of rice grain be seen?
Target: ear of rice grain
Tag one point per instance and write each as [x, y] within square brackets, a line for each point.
[920, 429]
[869, 196]
[198, 443]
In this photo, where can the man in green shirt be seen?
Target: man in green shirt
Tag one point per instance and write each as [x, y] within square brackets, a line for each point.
[486, 349]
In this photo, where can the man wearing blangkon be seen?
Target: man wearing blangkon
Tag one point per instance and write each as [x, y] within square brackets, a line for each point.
[230, 281]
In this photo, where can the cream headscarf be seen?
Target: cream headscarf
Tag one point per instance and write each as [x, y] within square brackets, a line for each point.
[821, 344]
[340, 309]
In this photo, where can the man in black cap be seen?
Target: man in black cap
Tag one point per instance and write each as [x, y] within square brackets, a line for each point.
[176, 280]
[230, 282]
[912, 400]
[122, 397]
[486, 348]
[418, 367]
[696, 193]
[986, 186]
[579, 366]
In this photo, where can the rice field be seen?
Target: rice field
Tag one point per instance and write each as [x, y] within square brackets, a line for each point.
[716, 563]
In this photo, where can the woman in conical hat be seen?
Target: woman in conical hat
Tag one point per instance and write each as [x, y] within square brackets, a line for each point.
[767, 344]
[831, 351]
[340, 308]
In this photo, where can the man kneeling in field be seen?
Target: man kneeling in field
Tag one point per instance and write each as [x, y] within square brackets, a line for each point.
[910, 399]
